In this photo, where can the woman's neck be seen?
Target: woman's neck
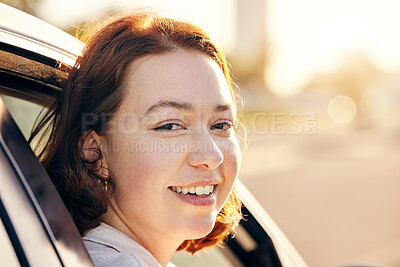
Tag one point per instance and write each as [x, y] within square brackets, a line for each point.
[161, 247]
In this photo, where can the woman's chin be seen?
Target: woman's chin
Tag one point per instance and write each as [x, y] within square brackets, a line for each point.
[199, 229]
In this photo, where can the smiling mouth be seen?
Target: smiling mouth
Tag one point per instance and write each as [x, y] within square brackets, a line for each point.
[201, 191]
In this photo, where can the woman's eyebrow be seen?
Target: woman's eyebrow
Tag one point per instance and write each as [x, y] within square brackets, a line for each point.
[182, 106]
[169, 104]
[221, 108]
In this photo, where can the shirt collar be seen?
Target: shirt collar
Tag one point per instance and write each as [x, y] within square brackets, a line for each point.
[111, 237]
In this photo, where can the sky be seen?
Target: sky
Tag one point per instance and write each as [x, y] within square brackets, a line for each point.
[314, 36]
[304, 37]
[218, 21]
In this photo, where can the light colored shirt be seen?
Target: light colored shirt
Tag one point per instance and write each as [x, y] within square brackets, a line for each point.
[109, 247]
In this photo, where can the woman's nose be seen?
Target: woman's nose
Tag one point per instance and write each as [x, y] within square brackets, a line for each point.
[205, 152]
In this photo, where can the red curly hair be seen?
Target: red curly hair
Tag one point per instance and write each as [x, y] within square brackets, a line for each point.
[94, 87]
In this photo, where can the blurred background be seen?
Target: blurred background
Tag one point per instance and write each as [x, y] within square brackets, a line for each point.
[321, 85]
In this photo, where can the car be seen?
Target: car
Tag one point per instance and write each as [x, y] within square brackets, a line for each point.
[36, 228]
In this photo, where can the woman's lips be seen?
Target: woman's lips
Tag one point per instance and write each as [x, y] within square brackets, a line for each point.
[198, 190]
[197, 200]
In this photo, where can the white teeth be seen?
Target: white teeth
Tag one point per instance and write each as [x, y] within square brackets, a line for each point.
[198, 190]
[207, 189]
[210, 189]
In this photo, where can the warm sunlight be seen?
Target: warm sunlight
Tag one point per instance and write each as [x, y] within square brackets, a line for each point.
[66, 13]
[312, 36]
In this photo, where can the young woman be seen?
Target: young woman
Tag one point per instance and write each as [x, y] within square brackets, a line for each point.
[142, 145]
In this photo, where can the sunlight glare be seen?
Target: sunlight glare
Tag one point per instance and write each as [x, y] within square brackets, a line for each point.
[313, 37]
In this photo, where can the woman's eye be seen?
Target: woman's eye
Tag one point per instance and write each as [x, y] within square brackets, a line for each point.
[169, 127]
[224, 126]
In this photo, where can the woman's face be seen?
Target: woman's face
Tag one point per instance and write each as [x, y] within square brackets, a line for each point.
[171, 147]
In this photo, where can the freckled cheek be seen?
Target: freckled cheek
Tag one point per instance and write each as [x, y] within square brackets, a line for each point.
[148, 171]
[136, 160]
[142, 184]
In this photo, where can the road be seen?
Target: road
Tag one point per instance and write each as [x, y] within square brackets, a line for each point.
[335, 194]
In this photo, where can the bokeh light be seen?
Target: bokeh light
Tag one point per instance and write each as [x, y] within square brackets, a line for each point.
[342, 109]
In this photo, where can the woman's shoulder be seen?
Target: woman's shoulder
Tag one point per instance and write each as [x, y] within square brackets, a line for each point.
[109, 247]
[103, 256]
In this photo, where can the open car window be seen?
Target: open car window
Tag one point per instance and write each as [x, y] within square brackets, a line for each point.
[32, 212]
[23, 112]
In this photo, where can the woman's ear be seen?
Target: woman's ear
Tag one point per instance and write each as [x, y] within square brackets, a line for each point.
[91, 147]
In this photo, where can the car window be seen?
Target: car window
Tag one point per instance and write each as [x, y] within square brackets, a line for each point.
[30, 239]
[28, 195]
[23, 112]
